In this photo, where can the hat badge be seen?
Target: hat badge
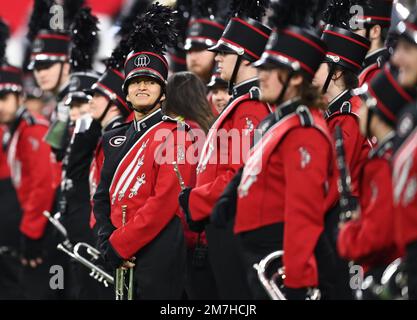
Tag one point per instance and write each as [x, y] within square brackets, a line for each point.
[142, 60]
[38, 46]
[74, 84]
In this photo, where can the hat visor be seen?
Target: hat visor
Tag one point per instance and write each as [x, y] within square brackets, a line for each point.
[221, 47]
[78, 96]
[268, 62]
[142, 74]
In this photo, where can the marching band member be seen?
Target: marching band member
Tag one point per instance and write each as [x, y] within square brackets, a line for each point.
[138, 183]
[241, 44]
[219, 92]
[29, 160]
[204, 29]
[75, 195]
[10, 212]
[369, 239]
[186, 97]
[404, 161]
[374, 25]
[284, 185]
[336, 76]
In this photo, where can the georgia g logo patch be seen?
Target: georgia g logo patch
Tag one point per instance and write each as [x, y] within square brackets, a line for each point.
[117, 141]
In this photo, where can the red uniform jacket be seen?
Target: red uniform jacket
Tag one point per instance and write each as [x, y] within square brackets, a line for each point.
[372, 65]
[145, 181]
[97, 164]
[4, 168]
[222, 157]
[342, 112]
[405, 190]
[32, 171]
[370, 240]
[285, 181]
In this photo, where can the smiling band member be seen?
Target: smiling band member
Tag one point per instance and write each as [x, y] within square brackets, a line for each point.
[135, 178]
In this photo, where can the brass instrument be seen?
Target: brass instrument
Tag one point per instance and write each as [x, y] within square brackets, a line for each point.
[393, 284]
[121, 272]
[73, 251]
[178, 173]
[273, 286]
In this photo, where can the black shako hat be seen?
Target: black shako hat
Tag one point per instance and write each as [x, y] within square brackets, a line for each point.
[152, 33]
[385, 96]
[50, 42]
[294, 43]
[244, 34]
[84, 45]
[11, 78]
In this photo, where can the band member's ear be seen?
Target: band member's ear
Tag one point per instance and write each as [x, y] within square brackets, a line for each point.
[163, 97]
[127, 98]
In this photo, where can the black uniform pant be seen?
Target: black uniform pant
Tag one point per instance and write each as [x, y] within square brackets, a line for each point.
[10, 216]
[256, 245]
[341, 285]
[44, 282]
[200, 283]
[226, 260]
[160, 266]
[259, 243]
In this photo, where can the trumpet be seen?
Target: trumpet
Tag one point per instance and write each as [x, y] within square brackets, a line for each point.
[121, 272]
[273, 286]
[74, 252]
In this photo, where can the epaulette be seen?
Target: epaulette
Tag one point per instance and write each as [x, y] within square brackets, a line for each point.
[179, 120]
[306, 118]
[31, 120]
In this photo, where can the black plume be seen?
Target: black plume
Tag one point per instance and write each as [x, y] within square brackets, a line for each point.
[139, 7]
[40, 18]
[292, 12]
[71, 8]
[254, 9]
[118, 56]
[183, 14]
[203, 8]
[154, 30]
[320, 7]
[84, 33]
[337, 13]
[4, 35]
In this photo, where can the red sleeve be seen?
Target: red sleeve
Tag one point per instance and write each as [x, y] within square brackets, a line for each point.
[157, 211]
[37, 180]
[373, 231]
[306, 157]
[4, 167]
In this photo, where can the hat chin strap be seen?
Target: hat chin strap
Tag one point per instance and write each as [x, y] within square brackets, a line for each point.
[232, 80]
[106, 110]
[147, 109]
[58, 82]
[329, 78]
[278, 101]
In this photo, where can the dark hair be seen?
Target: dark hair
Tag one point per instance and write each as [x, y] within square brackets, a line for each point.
[350, 79]
[310, 94]
[186, 97]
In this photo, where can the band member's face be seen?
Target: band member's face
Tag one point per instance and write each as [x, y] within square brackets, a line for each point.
[9, 103]
[98, 104]
[405, 58]
[220, 98]
[200, 62]
[78, 109]
[225, 64]
[143, 92]
[363, 119]
[47, 77]
[270, 84]
[321, 75]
